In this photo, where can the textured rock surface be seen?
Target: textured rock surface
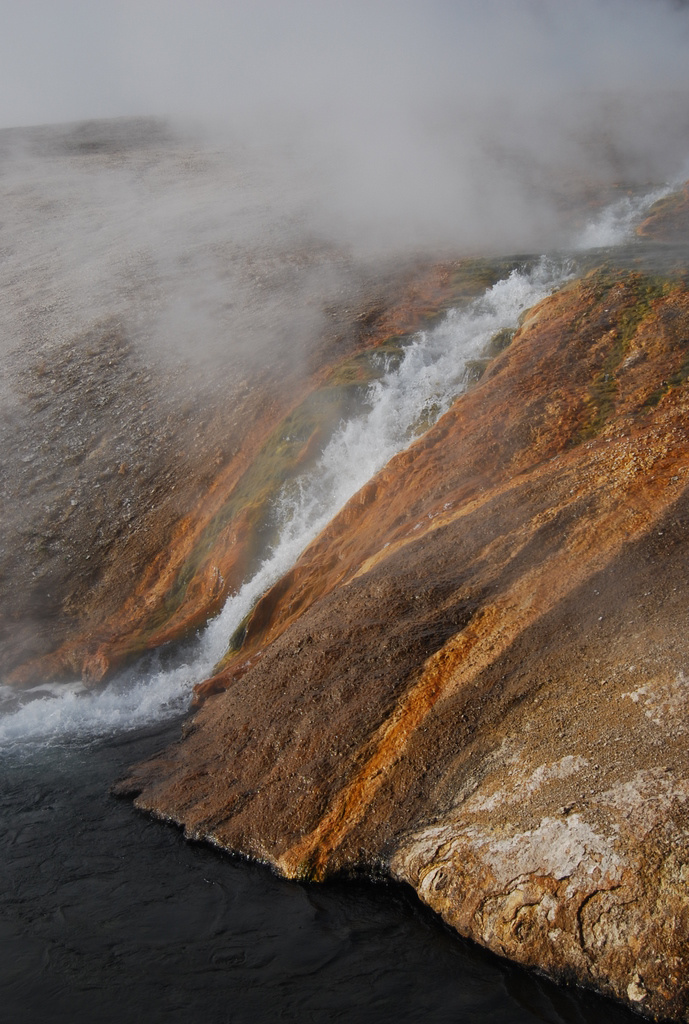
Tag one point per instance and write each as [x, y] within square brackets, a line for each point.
[476, 679]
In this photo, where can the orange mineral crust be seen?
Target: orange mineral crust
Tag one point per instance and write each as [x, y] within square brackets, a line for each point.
[476, 678]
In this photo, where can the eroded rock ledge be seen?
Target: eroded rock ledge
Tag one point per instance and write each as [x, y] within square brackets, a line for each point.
[477, 678]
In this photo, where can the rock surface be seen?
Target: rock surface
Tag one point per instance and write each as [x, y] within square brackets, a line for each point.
[476, 679]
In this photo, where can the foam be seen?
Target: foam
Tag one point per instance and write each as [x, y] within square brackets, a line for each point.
[616, 222]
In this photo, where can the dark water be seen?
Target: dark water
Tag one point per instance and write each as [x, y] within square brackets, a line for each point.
[108, 916]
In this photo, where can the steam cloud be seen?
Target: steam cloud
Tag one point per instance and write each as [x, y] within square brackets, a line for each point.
[408, 123]
[389, 127]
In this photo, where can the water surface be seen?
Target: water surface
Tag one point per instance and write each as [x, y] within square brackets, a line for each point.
[110, 916]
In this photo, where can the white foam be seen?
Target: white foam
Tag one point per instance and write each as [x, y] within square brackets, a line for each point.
[615, 224]
[74, 711]
[409, 397]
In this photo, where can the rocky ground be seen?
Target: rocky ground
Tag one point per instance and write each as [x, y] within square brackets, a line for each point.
[475, 679]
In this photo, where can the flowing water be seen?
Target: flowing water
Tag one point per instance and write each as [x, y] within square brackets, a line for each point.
[109, 916]
[415, 392]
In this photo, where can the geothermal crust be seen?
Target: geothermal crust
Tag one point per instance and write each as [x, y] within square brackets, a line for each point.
[476, 679]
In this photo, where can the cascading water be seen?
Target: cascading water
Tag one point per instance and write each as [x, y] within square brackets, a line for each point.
[616, 222]
[417, 391]
[429, 377]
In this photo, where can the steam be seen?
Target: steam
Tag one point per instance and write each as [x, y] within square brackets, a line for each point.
[296, 137]
[392, 124]
[616, 222]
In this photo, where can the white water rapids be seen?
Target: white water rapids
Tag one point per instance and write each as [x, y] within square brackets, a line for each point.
[427, 380]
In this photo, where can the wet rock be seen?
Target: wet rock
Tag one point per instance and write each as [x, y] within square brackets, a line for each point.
[475, 678]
